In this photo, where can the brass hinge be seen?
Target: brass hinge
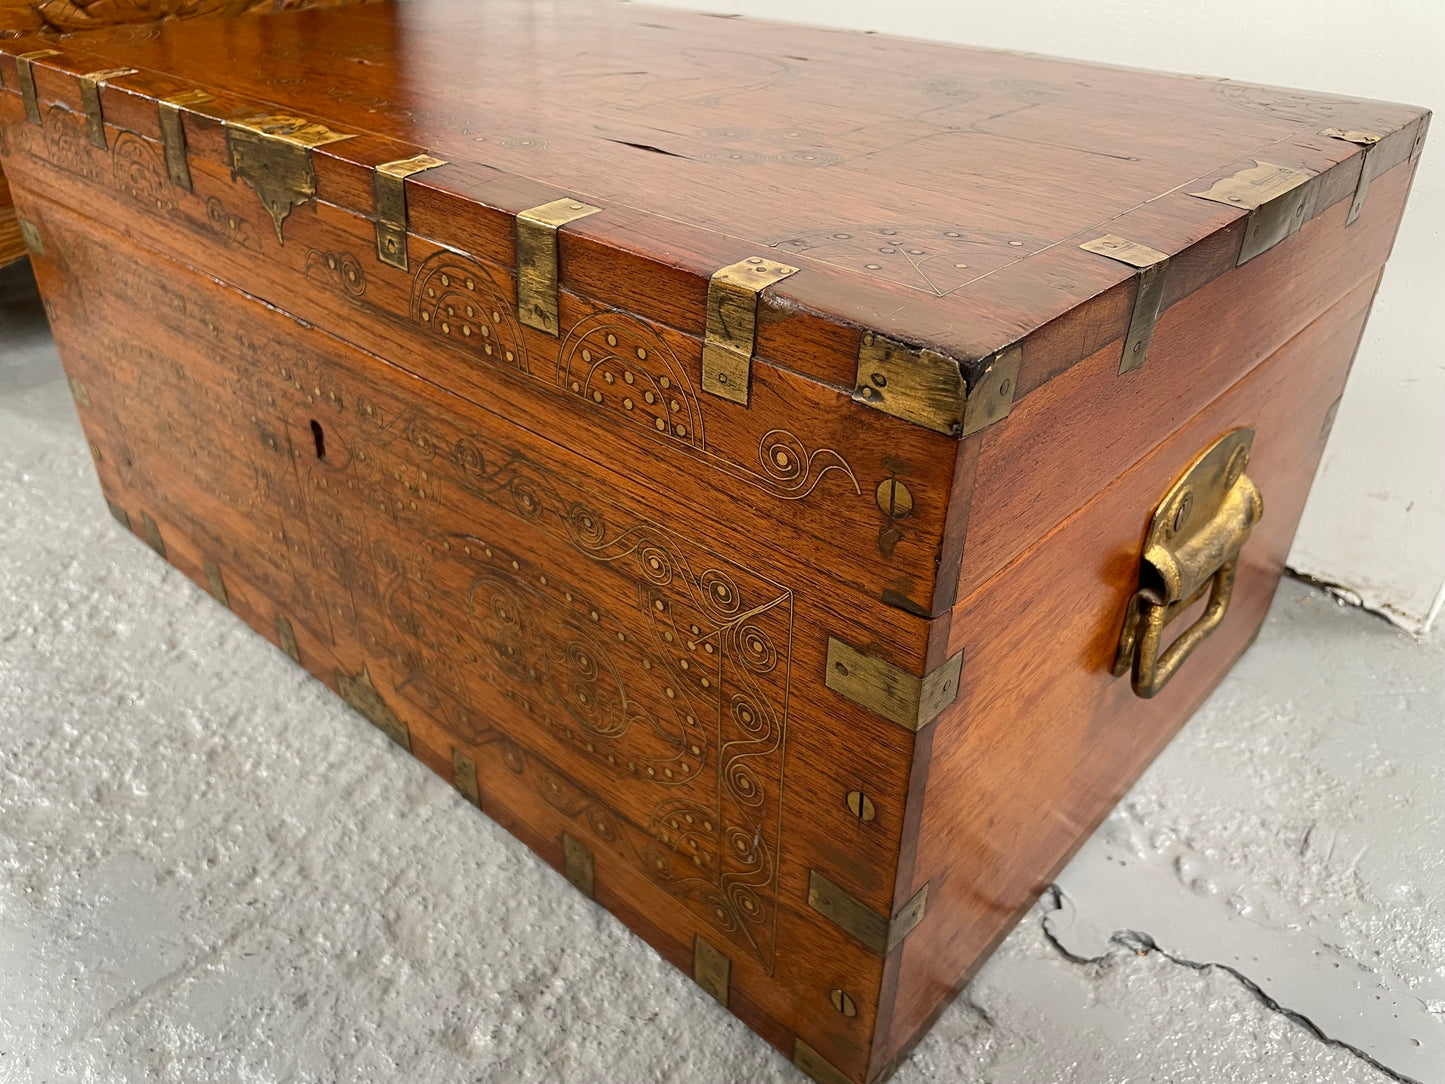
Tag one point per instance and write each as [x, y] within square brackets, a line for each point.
[732, 324]
[272, 154]
[859, 921]
[889, 690]
[286, 637]
[1368, 158]
[173, 134]
[361, 694]
[711, 969]
[816, 1066]
[464, 777]
[153, 534]
[537, 274]
[218, 583]
[90, 86]
[928, 388]
[26, 74]
[1276, 197]
[1153, 266]
[391, 220]
[30, 234]
[577, 865]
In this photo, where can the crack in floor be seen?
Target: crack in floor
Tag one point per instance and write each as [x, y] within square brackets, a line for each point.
[1142, 944]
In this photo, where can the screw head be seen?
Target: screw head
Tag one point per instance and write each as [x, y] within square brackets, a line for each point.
[895, 499]
[843, 1003]
[861, 806]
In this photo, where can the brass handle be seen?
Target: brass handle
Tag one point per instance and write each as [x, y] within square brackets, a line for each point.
[1192, 546]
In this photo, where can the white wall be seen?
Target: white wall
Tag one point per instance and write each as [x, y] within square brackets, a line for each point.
[1375, 524]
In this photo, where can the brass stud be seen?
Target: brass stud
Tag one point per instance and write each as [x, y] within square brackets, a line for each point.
[861, 806]
[843, 1003]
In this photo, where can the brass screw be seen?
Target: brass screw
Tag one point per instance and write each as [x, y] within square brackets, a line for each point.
[843, 1003]
[895, 499]
[861, 806]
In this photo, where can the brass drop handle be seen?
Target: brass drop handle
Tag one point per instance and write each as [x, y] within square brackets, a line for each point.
[1192, 546]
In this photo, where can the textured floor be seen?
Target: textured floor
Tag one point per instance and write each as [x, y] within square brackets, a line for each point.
[211, 871]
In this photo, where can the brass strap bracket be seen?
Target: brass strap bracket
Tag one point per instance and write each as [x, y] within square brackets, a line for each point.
[1277, 198]
[859, 921]
[464, 777]
[817, 1067]
[173, 134]
[30, 234]
[26, 74]
[391, 220]
[929, 388]
[1368, 158]
[1153, 266]
[1192, 546]
[286, 638]
[538, 278]
[732, 324]
[711, 969]
[217, 583]
[578, 866]
[272, 154]
[889, 690]
[361, 694]
[90, 86]
[119, 514]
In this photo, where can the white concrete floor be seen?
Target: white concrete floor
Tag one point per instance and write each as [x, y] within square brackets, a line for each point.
[212, 871]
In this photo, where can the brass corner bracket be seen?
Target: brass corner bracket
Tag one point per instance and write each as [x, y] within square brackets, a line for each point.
[877, 931]
[90, 88]
[929, 388]
[538, 277]
[464, 777]
[1152, 266]
[889, 690]
[732, 325]
[173, 134]
[1278, 199]
[711, 969]
[272, 154]
[25, 72]
[358, 691]
[578, 865]
[391, 218]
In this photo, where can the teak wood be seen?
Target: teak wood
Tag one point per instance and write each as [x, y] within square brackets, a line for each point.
[724, 451]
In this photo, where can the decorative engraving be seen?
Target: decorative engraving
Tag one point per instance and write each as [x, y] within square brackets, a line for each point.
[230, 227]
[621, 366]
[140, 172]
[66, 144]
[341, 270]
[456, 298]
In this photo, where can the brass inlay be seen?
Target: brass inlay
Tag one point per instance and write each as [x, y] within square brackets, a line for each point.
[1368, 158]
[464, 776]
[816, 1066]
[1153, 266]
[577, 865]
[118, 513]
[843, 1002]
[861, 806]
[889, 690]
[859, 921]
[732, 322]
[90, 86]
[272, 154]
[287, 637]
[361, 694]
[153, 534]
[1277, 198]
[391, 219]
[26, 73]
[711, 969]
[31, 236]
[173, 134]
[218, 583]
[78, 391]
[1192, 546]
[537, 273]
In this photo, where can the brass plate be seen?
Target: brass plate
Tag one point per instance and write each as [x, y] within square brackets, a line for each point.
[1367, 140]
[464, 776]
[218, 584]
[153, 534]
[1153, 266]
[537, 273]
[90, 86]
[577, 865]
[991, 396]
[732, 323]
[286, 636]
[861, 922]
[31, 236]
[118, 513]
[711, 969]
[26, 74]
[889, 690]
[1276, 197]
[391, 218]
[361, 694]
[815, 1065]
[173, 134]
[272, 154]
[78, 390]
[916, 384]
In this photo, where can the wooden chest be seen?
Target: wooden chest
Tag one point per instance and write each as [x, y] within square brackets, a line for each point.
[793, 480]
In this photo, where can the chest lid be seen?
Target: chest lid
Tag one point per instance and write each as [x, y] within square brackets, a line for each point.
[935, 230]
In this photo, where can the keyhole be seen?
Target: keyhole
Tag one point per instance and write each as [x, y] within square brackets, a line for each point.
[319, 436]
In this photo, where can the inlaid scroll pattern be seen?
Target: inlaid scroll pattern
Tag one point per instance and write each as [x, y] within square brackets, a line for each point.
[456, 298]
[140, 173]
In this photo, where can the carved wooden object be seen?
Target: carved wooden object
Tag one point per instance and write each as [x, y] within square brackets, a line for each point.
[723, 451]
